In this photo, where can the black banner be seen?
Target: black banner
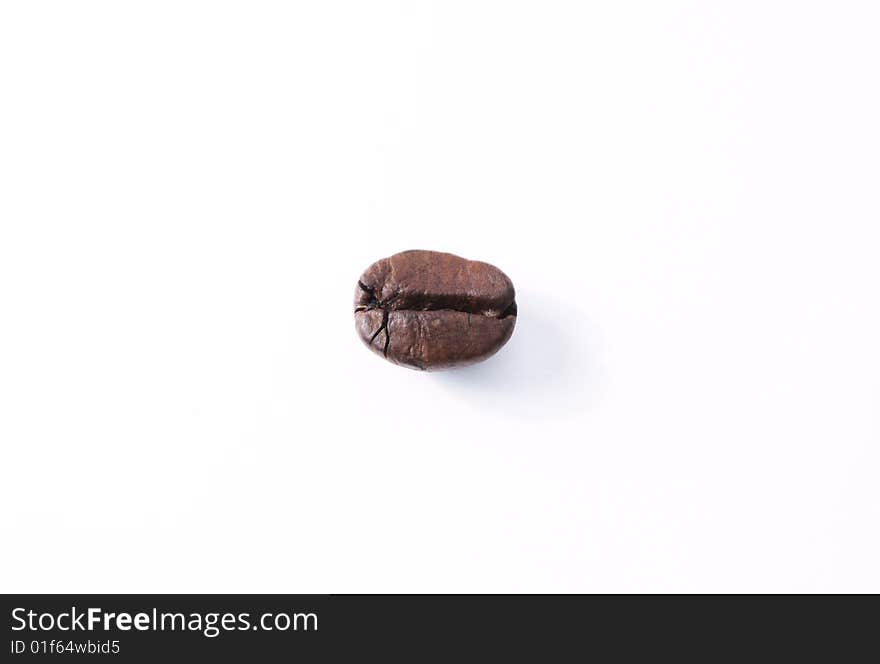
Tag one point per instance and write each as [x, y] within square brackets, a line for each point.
[134, 628]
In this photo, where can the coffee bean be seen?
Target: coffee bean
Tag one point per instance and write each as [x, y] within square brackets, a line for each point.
[430, 310]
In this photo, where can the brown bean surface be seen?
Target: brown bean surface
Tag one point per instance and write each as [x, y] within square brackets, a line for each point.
[430, 310]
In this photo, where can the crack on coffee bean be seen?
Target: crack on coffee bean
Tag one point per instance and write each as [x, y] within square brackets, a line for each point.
[383, 327]
[376, 303]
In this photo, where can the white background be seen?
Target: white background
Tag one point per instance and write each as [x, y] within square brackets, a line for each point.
[684, 193]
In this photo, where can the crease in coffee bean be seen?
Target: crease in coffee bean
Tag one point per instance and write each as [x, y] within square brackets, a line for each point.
[504, 314]
[510, 311]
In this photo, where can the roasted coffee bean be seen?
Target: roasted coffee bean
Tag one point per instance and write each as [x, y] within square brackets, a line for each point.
[429, 310]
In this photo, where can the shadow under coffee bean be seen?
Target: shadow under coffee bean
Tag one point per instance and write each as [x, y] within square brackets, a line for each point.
[430, 310]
